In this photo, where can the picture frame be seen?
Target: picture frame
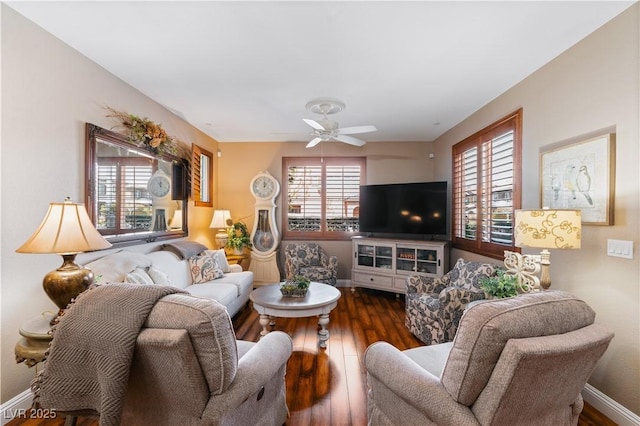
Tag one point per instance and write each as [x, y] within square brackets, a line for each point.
[579, 174]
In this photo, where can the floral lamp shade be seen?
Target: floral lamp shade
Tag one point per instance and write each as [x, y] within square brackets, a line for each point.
[546, 229]
[559, 229]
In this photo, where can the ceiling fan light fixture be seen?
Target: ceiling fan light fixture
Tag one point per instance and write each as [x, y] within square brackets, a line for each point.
[325, 130]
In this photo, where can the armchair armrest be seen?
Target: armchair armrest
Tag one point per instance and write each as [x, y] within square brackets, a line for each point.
[255, 369]
[421, 284]
[330, 262]
[460, 295]
[413, 385]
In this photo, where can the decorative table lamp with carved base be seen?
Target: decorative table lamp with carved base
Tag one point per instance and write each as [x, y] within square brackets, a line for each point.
[546, 228]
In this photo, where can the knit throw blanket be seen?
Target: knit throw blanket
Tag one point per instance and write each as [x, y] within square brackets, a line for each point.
[87, 369]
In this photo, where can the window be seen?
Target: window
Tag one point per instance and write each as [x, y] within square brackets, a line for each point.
[201, 173]
[486, 187]
[322, 196]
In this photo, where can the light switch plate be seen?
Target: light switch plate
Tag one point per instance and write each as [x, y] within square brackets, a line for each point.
[620, 248]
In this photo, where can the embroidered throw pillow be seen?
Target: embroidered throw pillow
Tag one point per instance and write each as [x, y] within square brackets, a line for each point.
[138, 276]
[159, 277]
[204, 268]
[221, 258]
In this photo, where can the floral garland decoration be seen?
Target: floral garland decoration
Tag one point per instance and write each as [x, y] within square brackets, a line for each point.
[148, 135]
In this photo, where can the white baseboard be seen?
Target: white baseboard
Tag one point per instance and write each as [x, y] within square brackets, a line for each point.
[609, 407]
[15, 407]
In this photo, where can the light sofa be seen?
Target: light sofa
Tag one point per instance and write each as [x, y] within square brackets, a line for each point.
[170, 268]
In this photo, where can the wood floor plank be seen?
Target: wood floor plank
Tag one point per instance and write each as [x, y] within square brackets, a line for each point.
[328, 386]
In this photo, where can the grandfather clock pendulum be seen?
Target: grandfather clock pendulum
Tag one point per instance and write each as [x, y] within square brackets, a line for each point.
[264, 236]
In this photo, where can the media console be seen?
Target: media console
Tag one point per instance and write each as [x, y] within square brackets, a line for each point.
[384, 264]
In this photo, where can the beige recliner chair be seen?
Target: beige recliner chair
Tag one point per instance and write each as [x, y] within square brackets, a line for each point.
[517, 361]
[188, 369]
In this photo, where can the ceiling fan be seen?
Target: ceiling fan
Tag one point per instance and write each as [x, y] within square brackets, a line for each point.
[325, 129]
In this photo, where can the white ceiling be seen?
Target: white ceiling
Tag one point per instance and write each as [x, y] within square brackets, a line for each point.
[243, 71]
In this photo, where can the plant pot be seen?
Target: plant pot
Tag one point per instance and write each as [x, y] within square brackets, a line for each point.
[292, 291]
[238, 252]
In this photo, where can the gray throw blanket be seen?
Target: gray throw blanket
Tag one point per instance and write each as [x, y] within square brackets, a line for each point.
[185, 249]
[87, 369]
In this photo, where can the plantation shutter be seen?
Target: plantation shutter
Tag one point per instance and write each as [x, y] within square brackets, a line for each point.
[323, 196]
[343, 197]
[497, 189]
[486, 177]
[201, 173]
[465, 193]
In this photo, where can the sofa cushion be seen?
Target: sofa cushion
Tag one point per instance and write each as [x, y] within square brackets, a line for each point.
[113, 267]
[222, 292]
[171, 264]
[488, 326]
[243, 281]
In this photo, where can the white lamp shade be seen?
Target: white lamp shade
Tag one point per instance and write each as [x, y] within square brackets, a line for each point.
[66, 229]
[220, 218]
[559, 229]
[176, 220]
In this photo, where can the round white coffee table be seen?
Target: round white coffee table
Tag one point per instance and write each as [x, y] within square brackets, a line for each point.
[320, 300]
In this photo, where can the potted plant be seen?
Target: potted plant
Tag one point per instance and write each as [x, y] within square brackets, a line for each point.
[296, 286]
[500, 285]
[238, 237]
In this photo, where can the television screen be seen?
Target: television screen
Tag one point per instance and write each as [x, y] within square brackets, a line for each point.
[419, 209]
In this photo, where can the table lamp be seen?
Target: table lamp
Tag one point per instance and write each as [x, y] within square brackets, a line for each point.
[545, 228]
[176, 220]
[221, 220]
[66, 230]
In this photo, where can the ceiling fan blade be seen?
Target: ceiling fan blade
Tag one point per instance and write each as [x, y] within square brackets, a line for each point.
[356, 129]
[313, 143]
[350, 140]
[313, 124]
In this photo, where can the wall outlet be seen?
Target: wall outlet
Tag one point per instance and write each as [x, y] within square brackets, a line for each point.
[620, 248]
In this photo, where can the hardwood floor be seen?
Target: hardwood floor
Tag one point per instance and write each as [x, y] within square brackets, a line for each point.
[328, 387]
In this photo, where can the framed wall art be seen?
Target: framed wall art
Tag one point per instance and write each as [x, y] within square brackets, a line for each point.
[580, 175]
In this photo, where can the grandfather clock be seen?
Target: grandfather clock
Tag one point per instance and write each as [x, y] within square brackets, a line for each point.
[264, 236]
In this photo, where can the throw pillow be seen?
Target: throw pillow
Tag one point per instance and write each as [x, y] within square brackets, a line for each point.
[204, 268]
[221, 258]
[138, 276]
[159, 277]
[113, 267]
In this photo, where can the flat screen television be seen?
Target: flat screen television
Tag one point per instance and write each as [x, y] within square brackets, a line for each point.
[406, 210]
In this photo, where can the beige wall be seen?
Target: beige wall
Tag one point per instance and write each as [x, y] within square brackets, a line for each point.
[592, 86]
[48, 92]
[387, 162]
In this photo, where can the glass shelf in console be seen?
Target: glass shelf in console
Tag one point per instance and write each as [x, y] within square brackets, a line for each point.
[416, 260]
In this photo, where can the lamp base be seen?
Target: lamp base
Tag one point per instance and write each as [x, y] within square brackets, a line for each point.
[221, 238]
[545, 275]
[67, 282]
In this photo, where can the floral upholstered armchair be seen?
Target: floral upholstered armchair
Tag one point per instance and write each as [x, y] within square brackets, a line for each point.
[310, 261]
[434, 306]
